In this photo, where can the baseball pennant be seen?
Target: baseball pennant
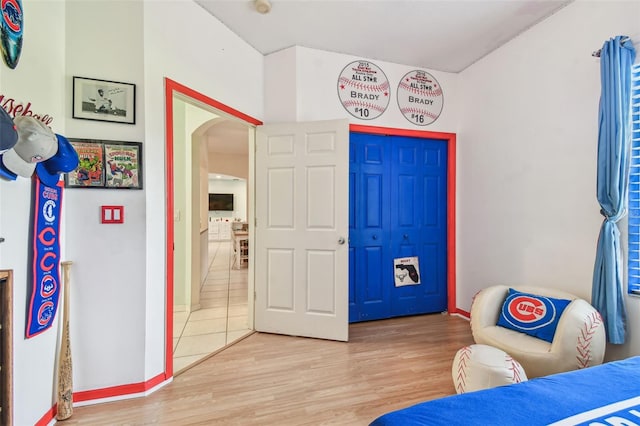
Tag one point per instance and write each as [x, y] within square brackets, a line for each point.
[45, 282]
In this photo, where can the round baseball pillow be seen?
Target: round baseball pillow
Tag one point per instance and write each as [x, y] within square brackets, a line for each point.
[478, 367]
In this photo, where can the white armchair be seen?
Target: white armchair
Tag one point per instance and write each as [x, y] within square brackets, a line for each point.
[579, 340]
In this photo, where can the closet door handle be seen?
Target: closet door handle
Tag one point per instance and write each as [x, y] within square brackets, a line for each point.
[341, 240]
[405, 236]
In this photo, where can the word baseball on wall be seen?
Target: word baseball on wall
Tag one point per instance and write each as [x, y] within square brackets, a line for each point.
[364, 92]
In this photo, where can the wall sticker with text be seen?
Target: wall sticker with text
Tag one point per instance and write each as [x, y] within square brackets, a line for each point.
[363, 90]
[420, 97]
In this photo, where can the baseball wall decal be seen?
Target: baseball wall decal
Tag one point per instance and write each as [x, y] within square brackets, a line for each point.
[420, 97]
[363, 90]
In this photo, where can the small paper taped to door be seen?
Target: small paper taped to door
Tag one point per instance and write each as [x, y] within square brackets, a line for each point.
[406, 271]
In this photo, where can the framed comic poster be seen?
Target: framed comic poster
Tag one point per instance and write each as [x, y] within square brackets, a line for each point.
[106, 164]
[104, 100]
[123, 165]
[90, 170]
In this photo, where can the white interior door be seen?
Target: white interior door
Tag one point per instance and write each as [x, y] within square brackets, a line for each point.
[302, 206]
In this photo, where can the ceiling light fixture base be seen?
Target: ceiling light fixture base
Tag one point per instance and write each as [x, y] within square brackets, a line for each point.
[262, 6]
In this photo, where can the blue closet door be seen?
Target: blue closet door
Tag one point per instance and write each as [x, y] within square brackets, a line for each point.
[419, 222]
[369, 216]
[398, 201]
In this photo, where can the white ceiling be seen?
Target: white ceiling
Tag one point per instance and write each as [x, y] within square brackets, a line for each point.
[443, 35]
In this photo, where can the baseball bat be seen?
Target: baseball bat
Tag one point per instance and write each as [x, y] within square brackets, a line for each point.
[65, 371]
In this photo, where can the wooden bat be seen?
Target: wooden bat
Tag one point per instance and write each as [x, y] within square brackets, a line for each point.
[65, 371]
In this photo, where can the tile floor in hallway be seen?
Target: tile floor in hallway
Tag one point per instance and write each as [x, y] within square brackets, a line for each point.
[222, 317]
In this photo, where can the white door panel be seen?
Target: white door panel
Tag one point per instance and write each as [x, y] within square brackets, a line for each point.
[302, 208]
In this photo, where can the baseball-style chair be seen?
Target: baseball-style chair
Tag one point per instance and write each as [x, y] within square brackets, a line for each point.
[578, 340]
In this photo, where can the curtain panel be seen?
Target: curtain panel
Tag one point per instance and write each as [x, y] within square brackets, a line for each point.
[614, 131]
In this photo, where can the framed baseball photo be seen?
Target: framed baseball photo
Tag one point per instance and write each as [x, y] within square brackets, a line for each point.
[104, 100]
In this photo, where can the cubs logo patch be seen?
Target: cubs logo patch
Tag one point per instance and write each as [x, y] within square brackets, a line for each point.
[529, 312]
[532, 314]
[45, 313]
[527, 309]
[48, 286]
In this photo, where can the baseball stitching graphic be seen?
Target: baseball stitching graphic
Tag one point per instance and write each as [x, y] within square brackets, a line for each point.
[583, 345]
[473, 300]
[420, 97]
[432, 93]
[409, 111]
[364, 87]
[465, 357]
[363, 90]
[476, 371]
[515, 369]
[355, 104]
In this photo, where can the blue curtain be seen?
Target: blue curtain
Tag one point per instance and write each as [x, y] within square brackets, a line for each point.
[614, 133]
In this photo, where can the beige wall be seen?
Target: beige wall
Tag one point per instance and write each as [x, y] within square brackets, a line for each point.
[229, 164]
[203, 157]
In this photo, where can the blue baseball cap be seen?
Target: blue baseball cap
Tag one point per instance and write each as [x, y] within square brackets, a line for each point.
[64, 161]
[6, 173]
[8, 131]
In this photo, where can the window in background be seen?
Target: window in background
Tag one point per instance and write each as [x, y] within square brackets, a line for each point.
[634, 185]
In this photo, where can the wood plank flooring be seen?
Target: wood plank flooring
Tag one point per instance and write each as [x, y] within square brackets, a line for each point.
[269, 379]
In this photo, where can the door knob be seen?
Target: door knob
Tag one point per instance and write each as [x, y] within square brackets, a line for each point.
[405, 236]
[341, 240]
[375, 237]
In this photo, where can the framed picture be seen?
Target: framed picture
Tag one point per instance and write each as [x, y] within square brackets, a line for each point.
[90, 170]
[104, 100]
[106, 164]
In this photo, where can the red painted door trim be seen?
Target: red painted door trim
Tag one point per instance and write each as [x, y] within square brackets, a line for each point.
[171, 88]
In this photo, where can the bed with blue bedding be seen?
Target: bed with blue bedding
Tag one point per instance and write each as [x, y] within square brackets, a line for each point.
[607, 394]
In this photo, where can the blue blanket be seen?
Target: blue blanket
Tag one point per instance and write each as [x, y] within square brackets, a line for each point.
[607, 394]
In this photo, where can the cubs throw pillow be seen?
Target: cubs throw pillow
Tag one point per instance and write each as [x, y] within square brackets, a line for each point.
[532, 314]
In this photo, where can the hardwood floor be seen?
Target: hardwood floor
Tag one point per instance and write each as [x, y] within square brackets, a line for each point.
[269, 379]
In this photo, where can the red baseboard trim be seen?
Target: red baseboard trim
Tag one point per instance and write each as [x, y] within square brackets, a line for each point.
[110, 392]
[119, 390]
[462, 313]
[48, 416]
